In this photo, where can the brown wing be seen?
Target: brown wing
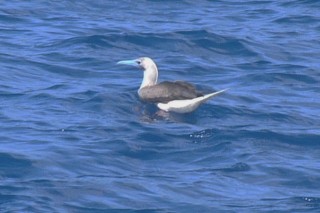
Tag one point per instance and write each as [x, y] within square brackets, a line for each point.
[167, 91]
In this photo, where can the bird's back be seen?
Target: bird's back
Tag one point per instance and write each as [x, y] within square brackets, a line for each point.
[167, 91]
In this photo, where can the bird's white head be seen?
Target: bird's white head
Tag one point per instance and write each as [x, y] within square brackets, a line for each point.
[146, 63]
[150, 75]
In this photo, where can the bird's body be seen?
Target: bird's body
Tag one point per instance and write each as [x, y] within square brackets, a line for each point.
[178, 96]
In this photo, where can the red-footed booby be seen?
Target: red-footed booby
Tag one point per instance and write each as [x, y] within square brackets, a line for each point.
[178, 96]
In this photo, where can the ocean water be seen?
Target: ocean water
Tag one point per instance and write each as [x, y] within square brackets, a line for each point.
[75, 137]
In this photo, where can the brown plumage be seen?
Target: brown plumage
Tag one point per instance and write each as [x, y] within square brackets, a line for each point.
[167, 91]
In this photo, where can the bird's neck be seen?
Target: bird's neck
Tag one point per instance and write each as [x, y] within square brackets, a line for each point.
[150, 77]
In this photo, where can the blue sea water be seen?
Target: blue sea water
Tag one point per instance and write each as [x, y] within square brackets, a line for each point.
[76, 138]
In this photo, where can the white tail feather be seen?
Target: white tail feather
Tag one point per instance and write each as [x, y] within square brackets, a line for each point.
[188, 105]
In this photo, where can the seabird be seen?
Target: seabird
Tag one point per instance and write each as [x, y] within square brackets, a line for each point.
[178, 96]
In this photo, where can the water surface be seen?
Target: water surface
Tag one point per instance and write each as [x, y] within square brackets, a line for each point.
[76, 138]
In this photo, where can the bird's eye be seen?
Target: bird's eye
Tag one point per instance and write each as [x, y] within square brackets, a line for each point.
[139, 62]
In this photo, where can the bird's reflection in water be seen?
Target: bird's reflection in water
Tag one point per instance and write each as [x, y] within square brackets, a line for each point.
[150, 113]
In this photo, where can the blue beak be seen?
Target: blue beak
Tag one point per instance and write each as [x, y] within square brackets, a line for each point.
[129, 62]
